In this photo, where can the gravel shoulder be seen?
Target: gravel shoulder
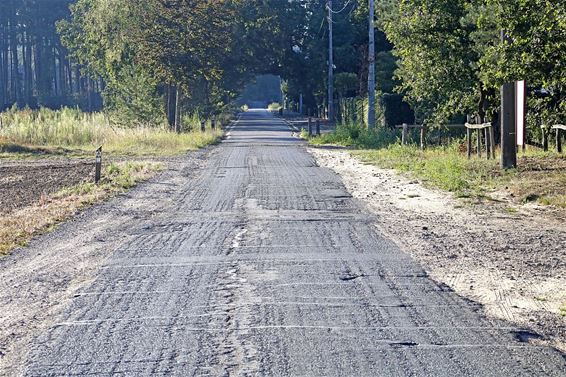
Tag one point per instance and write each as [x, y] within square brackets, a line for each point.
[512, 262]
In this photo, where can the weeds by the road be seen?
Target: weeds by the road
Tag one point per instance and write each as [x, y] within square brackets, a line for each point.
[444, 168]
[540, 177]
[47, 132]
[17, 228]
[352, 135]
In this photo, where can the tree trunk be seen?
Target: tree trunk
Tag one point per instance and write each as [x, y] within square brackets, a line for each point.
[177, 110]
[171, 108]
[15, 79]
[28, 76]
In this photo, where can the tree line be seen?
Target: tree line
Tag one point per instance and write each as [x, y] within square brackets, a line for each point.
[197, 55]
[35, 67]
[156, 59]
[454, 55]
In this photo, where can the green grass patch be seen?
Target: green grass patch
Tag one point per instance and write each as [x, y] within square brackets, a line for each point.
[444, 168]
[540, 176]
[352, 135]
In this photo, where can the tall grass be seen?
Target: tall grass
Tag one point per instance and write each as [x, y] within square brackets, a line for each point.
[73, 129]
[354, 135]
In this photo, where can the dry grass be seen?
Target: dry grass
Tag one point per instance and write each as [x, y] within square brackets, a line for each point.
[18, 228]
[540, 177]
[46, 132]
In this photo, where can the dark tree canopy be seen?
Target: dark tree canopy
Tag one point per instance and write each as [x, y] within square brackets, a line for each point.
[35, 68]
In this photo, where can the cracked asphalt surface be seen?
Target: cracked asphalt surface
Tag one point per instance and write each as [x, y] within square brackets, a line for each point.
[261, 263]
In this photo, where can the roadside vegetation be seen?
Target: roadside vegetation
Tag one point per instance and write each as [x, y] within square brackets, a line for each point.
[19, 227]
[540, 177]
[70, 132]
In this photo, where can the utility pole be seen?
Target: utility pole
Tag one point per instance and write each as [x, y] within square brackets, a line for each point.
[330, 65]
[371, 67]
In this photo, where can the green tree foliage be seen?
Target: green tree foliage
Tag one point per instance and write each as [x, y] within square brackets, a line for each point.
[453, 61]
[436, 59]
[35, 69]
[534, 52]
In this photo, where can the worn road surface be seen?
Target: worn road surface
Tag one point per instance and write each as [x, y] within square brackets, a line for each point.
[262, 264]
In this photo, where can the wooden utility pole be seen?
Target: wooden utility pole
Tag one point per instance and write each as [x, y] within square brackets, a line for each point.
[330, 65]
[371, 69]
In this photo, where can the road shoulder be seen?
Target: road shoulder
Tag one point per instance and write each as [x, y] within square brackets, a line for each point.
[38, 281]
[514, 264]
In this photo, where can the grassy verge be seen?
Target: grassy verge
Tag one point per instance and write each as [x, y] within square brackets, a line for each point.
[352, 135]
[17, 228]
[444, 168]
[540, 177]
[66, 132]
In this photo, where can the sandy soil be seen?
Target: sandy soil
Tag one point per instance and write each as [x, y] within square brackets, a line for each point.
[512, 262]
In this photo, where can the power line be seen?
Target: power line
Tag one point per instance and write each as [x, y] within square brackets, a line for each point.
[341, 10]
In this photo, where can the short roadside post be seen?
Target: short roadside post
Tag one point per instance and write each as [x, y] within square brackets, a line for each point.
[213, 124]
[202, 126]
[317, 127]
[98, 165]
[310, 126]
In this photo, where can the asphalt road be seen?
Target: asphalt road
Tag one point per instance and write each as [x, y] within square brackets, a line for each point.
[264, 265]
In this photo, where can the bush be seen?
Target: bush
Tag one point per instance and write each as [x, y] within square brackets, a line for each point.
[274, 106]
[354, 135]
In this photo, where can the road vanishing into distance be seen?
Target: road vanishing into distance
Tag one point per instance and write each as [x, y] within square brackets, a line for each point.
[261, 264]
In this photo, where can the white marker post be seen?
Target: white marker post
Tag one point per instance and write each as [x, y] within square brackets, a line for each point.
[520, 106]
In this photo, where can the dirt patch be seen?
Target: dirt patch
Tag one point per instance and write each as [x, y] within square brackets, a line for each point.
[509, 257]
[25, 183]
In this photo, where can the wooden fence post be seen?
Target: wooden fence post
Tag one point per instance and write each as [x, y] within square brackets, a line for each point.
[202, 126]
[317, 127]
[479, 143]
[404, 133]
[492, 141]
[558, 140]
[544, 138]
[423, 137]
[487, 142]
[469, 141]
[310, 126]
